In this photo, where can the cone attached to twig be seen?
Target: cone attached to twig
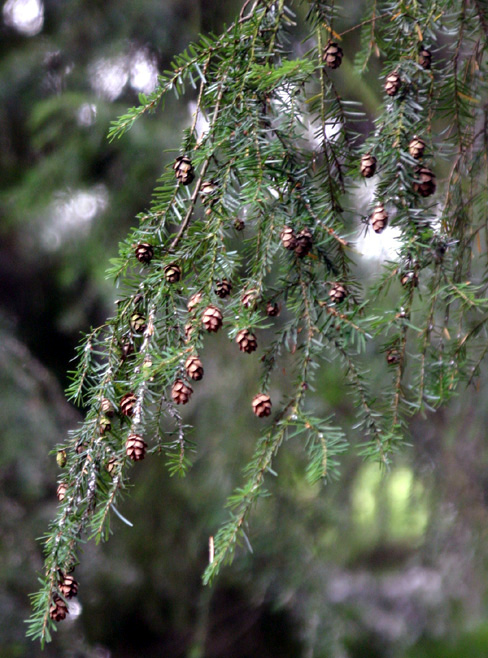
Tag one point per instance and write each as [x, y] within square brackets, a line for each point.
[194, 301]
[138, 323]
[416, 147]
[127, 404]
[194, 367]
[61, 491]
[261, 405]
[379, 218]
[338, 293]
[172, 273]
[223, 288]
[288, 238]
[393, 83]
[368, 165]
[304, 243]
[135, 447]
[68, 586]
[184, 170]
[61, 458]
[58, 609]
[272, 309]
[144, 252]
[249, 297]
[332, 55]
[425, 182]
[425, 58]
[247, 341]
[212, 318]
[181, 392]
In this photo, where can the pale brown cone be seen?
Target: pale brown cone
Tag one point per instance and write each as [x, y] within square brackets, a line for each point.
[194, 368]
[212, 318]
[247, 341]
[416, 148]
[337, 293]
[425, 183]
[194, 301]
[181, 392]
[333, 54]
[127, 404]
[392, 84]
[379, 218]
[261, 405]
[135, 447]
[184, 170]
[61, 491]
[58, 609]
[288, 238]
[272, 309]
[368, 165]
[68, 587]
[107, 407]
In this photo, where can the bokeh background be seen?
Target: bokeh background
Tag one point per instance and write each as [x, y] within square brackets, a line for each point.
[371, 566]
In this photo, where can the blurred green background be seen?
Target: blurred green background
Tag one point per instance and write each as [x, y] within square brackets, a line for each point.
[371, 566]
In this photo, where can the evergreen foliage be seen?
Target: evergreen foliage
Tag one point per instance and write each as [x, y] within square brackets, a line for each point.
[281, 151]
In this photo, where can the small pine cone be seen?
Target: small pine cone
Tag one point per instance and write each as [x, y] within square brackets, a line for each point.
[425, 58]
[68, 587]
[189, 329]
[368, 165]
[135, 447]
[194, 301]
[223, 288]
[184, 170]
[393, 357]
[416, 147]
[304, 243]
[107, 407]
[425, 184]
[212, 318]
[239, 224]
[332, 56]
[105, 425]
[208, 189]
[144, 252]
[111, 466]
[138, 323]
[181, 392]
[127, 404]
[172, 273]
[261, 405]
[410, 279]
[288, 238]
[194, 368]
[337, 293]
[392, 84]
[379, 218]
[272, 309]
[249, 298]
[61, 458]
[58, 609]
[61, 491]
[247, 341]
[127, 348]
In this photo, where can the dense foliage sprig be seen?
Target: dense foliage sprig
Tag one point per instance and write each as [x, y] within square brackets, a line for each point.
[282, 152]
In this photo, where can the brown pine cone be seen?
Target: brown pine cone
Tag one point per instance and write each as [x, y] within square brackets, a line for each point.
[425, 58]
[249, 298]
[288, 238]
[379, 218]
[207, 189]
[172, 273]
[111, 466]
[127, 404]
[332, 56]
[181, 392]
[135, 447]
[261, 405]
[184, 170]
[223, 288]
[138, 323]
[144, 252]
[247, 341]
[425, 184]
[61, 491]
[194, 301]
[194, 368]
[127, 348]
[212, 318]
[58, 609]
[68, 586]
[304, 243]
[416, 147]
[337, 293]
[392, 84]
[107, 407]
[368, 165]
[272, 309]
